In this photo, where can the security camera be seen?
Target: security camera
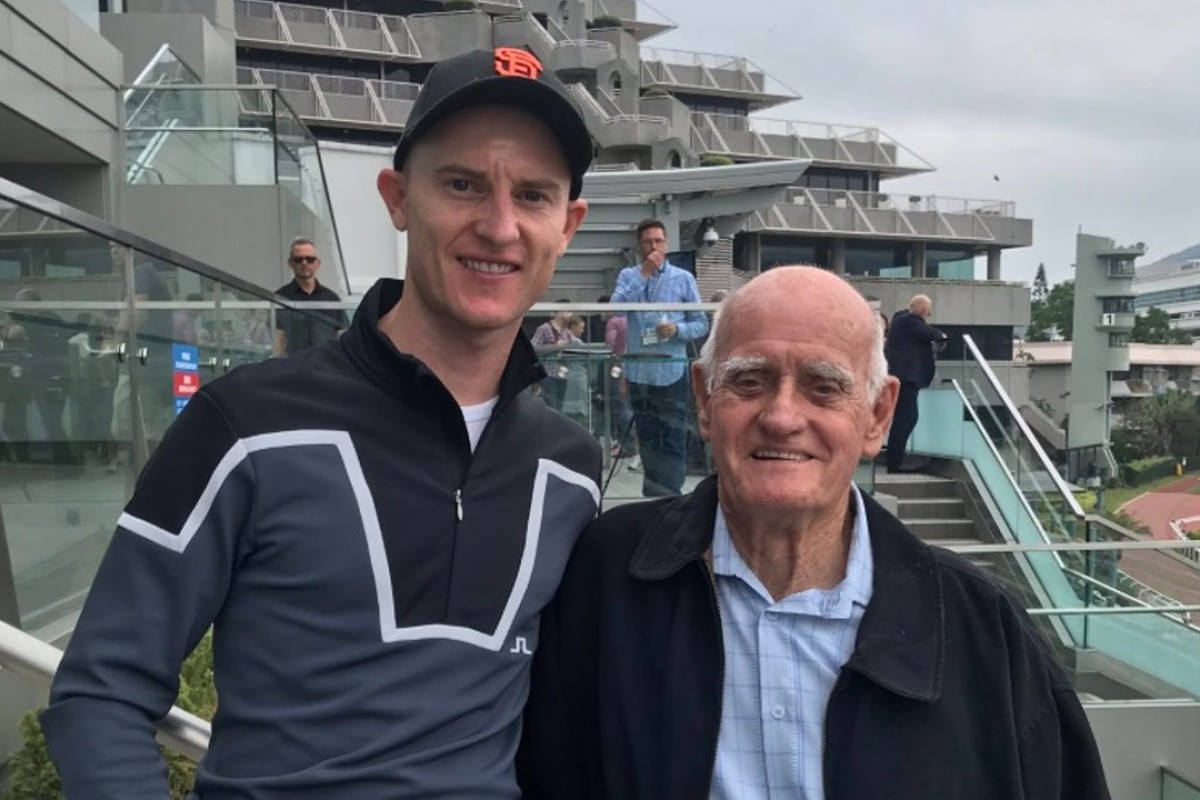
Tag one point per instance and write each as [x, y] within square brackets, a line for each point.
[711, 237]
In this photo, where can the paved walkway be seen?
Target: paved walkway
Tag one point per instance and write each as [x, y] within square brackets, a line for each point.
[1156, 509]
[1166, 574]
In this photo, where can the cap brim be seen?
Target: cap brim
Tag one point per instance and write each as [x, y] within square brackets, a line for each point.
[545, 102]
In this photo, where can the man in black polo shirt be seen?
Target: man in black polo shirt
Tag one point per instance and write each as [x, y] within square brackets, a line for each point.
[295, 331]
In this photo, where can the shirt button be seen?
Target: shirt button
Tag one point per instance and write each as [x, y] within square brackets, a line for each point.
[777, 712]
[772, 615]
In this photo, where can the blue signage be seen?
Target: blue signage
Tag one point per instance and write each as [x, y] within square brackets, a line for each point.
[185, 357]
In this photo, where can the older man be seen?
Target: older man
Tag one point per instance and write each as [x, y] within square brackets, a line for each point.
[909, 351]
[777, 633]
[370, 526]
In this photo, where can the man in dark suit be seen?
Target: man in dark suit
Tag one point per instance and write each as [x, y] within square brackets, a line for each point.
[909, 351]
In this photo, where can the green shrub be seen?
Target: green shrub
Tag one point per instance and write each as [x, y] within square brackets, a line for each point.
[604, 21]
[32, 775]
[712, 160]
[1144, 470]
[656, 92]
[1086, 500]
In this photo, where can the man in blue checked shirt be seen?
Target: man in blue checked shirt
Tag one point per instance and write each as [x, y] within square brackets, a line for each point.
[656, 359]
[777, 633]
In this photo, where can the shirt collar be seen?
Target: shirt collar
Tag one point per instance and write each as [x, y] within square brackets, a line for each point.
[854, 588]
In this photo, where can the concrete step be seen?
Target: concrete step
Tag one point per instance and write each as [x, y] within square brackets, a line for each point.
[935, 531]
[913, 486]
[931, 508]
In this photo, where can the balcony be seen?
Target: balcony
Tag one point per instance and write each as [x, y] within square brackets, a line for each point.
[288, 26]
[337, 100]
[580, 55]
[611, 127]
[627, 11]
[714, 76]
[831, 212]
[845, 146]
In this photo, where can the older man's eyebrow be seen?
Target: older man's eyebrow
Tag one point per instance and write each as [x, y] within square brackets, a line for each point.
[829, 371]
[734, 366]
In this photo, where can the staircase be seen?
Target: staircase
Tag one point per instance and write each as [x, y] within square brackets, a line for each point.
[931, 507]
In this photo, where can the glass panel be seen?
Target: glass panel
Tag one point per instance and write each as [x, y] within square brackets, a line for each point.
[1157, 651]
[62, 484]
[1175, 787]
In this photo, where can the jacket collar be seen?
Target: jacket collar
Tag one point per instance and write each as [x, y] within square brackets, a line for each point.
[375, 354]
[900, 638]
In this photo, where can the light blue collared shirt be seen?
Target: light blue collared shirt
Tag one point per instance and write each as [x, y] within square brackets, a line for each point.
[668, 284]
[781, 662]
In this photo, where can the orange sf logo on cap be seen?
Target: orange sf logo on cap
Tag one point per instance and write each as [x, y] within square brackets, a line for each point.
[513, 62]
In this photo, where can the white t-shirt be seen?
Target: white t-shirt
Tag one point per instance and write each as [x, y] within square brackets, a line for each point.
[477, 418]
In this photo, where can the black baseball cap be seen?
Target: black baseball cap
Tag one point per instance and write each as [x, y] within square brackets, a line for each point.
[507, 76]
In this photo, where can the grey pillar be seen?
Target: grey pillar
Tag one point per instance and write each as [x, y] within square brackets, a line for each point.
[993, 263]
[837, 256]
[918, 259]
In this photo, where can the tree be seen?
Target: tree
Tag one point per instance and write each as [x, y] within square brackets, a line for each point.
[1154, 327]
[1167, 424]
[1052, 314]
[1040, 286]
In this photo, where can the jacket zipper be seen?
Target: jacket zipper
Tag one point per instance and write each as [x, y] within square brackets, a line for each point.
[711, 581]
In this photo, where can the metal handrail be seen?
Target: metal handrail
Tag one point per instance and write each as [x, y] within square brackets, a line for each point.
[35, 201]
[1059, 483]
[31, 658]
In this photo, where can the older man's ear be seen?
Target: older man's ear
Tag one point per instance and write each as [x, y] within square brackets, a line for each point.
[700, 397]
[881, 416]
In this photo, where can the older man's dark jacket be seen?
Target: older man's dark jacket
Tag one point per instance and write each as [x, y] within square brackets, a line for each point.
[950, 693]
[909, 348]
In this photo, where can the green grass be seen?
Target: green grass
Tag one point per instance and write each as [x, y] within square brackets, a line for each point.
[1115, 498]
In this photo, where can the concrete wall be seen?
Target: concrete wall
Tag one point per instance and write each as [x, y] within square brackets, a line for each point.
[373, 248]
[446, 35]
[954, 302]
[1048, 382]
[59, 102]
[234, 228]
[1135, 741]
[208, 50]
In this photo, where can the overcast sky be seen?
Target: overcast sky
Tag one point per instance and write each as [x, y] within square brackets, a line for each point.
[1087, 110]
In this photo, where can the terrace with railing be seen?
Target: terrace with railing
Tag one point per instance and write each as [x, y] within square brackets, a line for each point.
[713, 74]
[825, 144]
[867, 214]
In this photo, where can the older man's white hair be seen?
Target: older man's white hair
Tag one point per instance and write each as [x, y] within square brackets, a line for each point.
[713, 372]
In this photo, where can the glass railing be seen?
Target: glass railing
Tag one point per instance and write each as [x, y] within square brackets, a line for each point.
[1177, 787]
[103, 338]
[196, 135]
[144, 102]
[1094, 585]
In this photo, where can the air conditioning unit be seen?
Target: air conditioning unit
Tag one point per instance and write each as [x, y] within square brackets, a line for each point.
[1108, 320]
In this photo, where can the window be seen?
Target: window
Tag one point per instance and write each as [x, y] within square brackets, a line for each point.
[1118, 305]
[1120, 268]
[1118, 340]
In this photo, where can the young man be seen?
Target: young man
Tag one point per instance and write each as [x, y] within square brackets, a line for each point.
[294, 331]
[657, 357]
[779, 634]
[371, 526]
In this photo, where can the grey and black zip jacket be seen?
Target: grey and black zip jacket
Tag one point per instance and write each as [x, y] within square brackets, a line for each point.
[373, 586]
